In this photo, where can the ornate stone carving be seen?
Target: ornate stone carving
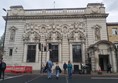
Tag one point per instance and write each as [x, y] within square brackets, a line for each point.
[31, 26]
[54, 35]
[31, 36]
[95, 9]
[43, 28]
[64, 28]
[76, 35]
[31, 33]
[25, 37]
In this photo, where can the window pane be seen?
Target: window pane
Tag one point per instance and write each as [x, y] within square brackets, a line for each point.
[114, 31]
[77, 57]
[31, 53]
[54, 53]
[10, 52]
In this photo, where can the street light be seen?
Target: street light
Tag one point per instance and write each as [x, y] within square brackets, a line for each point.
[6, 19]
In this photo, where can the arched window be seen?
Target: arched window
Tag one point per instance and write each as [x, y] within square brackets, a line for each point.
[12, 34]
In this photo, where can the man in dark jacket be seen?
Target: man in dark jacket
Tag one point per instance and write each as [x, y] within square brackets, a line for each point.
[64, 67]
[2, 68]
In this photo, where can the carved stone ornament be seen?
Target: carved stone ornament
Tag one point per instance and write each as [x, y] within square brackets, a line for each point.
[76, 35]
[54, 35]
[31, 37]
[95, 9]
[31, 26]
[65, 30]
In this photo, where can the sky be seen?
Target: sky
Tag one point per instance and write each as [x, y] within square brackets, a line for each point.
[110, 5]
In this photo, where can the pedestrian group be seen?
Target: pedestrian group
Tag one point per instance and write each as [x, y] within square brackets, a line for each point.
[48, 69]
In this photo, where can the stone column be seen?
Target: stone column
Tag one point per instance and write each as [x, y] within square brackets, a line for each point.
[93, 61]
[114, 65]
[48, 55]
[60, 55]
[65, 49]
[37, 51]
[83, 52]
[25, 53]
[71, 57]
[97, 60]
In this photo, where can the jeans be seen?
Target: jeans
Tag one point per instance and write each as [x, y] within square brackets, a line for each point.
[57, 73]
[69, 73]
[49, 73]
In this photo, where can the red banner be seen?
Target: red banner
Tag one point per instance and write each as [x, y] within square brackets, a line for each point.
[18, 69]
[8, 69]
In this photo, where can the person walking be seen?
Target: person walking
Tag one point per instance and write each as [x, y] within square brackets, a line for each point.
[64, 67]
[58, 70]
[69, 66]
[2, 68]
[109, 68]
[49, 65]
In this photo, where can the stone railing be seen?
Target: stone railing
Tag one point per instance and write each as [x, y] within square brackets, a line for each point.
[55, 11]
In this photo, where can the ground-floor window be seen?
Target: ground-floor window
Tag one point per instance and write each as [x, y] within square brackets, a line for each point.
[54, 53]
[31, 53]
[77, 54]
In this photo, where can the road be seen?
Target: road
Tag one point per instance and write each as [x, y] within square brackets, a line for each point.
[36, 78]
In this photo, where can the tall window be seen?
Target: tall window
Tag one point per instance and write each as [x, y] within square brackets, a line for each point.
[31, 53]
[10, 51]
[77, 55]
[115, 31]
[54, 53]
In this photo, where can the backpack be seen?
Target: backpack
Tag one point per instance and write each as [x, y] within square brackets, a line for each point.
[3, 65]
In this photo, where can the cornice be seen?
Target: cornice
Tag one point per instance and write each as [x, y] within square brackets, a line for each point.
[23, 17]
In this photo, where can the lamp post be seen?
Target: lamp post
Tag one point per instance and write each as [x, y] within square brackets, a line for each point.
[43, 48]
[6, 19]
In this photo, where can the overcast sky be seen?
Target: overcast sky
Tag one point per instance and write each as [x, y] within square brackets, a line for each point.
[111, 7]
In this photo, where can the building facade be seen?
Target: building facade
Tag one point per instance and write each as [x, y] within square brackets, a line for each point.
[34, 36]
[113, 35]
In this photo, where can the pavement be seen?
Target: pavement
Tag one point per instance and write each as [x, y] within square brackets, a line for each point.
[37, 77]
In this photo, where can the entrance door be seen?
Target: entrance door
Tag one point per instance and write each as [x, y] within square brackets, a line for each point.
[76, 69]
[54, 53]
[103, 61]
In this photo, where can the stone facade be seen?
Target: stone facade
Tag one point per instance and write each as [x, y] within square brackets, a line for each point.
[113, 36]
[67, 28]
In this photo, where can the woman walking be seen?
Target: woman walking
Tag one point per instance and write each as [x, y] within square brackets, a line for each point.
[69, 69]
[58, 70]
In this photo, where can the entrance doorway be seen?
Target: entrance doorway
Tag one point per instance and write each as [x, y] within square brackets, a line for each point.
[103, 61]
[76, 69]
